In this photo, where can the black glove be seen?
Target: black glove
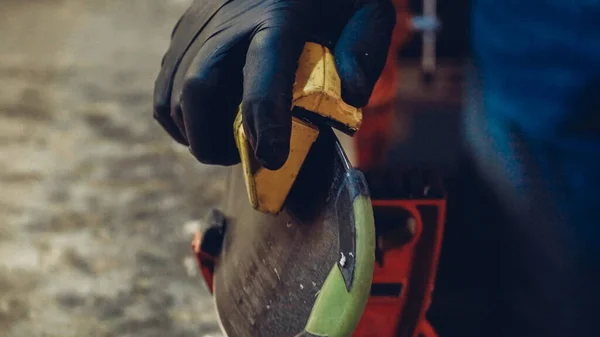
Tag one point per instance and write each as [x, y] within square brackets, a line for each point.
[226, 52]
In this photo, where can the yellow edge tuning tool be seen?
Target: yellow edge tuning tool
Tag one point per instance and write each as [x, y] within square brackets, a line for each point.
[316, 101]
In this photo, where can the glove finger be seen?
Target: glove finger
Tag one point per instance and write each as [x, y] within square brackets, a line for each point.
[269, 75]
[168, 113]
[187, 29]
[211, 91]
[362, 48]
[168, 124]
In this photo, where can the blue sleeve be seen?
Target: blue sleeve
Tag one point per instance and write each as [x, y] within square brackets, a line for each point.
[539, 64]
[533, 125]
[540, 60]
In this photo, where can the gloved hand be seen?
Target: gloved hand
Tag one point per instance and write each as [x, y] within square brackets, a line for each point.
[226, 52]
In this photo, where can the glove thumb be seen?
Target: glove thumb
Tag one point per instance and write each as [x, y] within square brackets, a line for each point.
[362, 48]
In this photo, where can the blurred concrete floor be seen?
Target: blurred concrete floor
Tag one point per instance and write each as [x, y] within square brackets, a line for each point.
[97, 204]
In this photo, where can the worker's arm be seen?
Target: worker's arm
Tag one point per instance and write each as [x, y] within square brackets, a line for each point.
[536, 136]
[224, 53]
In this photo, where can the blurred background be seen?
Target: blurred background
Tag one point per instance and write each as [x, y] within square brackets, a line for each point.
[98, 204]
